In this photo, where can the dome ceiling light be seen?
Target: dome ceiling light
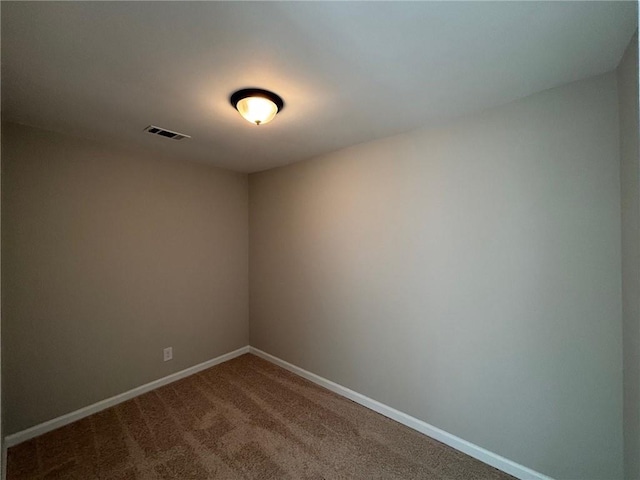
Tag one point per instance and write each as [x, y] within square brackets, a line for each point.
[256, 105]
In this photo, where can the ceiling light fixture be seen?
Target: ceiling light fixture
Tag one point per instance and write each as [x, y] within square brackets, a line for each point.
[256, 105]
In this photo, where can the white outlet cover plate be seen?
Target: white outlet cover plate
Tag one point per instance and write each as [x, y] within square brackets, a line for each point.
[168, 353]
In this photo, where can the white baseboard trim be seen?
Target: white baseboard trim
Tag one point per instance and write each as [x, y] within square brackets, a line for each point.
[4, 461]
[29, 433]
[490, 458]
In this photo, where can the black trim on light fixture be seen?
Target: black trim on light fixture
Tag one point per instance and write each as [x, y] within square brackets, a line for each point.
[256, 92]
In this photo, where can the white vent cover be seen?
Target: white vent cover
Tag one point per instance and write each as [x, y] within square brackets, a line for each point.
[163, 132]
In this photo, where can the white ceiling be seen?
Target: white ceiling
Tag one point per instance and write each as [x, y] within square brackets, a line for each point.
[348, 72]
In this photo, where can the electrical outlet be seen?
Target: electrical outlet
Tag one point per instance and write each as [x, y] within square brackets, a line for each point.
[168, 353]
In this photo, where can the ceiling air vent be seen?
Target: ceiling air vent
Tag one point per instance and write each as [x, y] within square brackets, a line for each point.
[163, 132]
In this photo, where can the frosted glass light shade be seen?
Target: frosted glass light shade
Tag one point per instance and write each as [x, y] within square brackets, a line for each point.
[258, 110]
[256, 105]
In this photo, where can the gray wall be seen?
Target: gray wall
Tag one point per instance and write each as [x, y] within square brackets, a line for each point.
[107, 257]
[630, 194]
[469, 276]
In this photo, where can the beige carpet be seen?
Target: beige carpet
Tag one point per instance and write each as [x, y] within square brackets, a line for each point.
[244, 419]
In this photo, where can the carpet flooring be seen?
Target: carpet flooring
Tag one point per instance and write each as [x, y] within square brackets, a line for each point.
[243, 419]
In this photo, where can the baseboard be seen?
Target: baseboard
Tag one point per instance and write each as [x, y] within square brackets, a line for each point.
[4, 460]
[29, 433]
[490, 458]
